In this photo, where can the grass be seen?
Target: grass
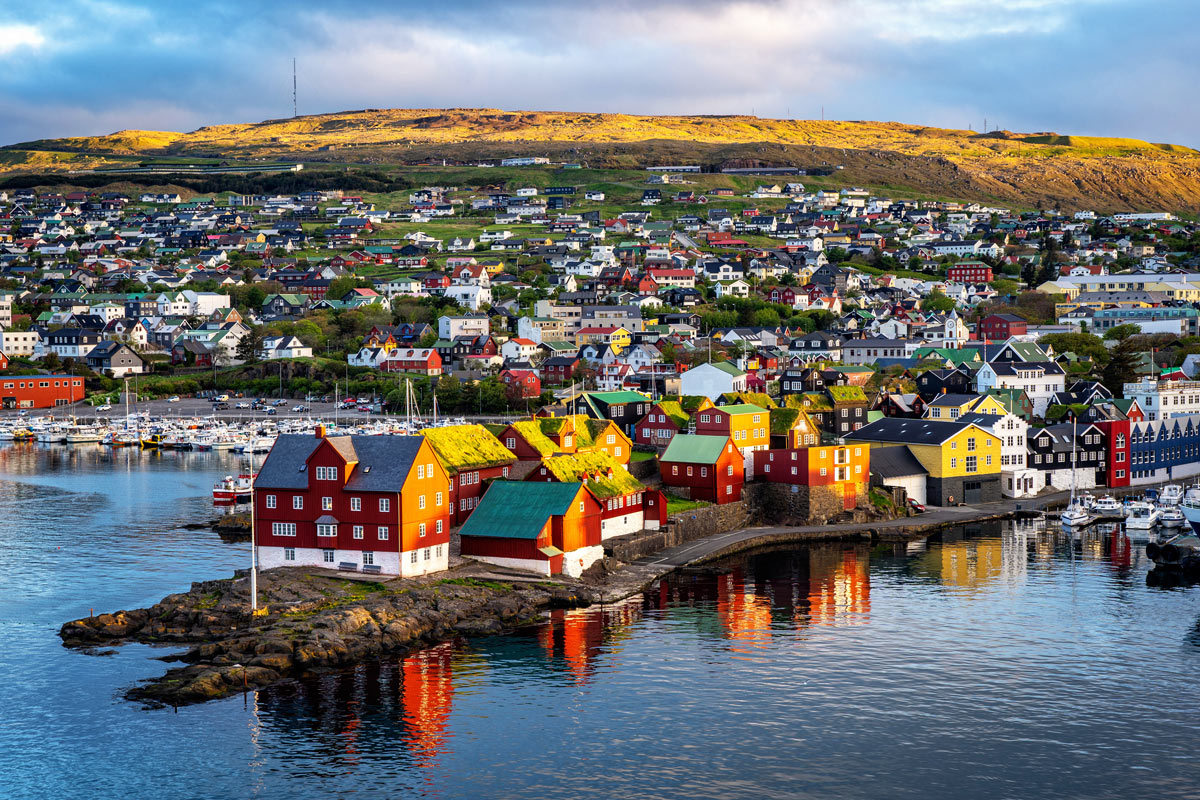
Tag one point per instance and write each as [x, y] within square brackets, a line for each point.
[496, 586]
[678, 504]
[638, 455]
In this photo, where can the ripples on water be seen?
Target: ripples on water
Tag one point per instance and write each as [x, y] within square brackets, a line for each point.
[996, 662]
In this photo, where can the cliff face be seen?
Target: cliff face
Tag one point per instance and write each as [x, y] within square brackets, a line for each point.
[1026, 168]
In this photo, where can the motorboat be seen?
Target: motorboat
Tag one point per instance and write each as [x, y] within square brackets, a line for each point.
[1142, 515]
[1108, 506]
[1171, 517]
[1172, 495]
[230, 490]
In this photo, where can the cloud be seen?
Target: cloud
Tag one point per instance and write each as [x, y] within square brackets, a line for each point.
[16, 36]
[1078, 66]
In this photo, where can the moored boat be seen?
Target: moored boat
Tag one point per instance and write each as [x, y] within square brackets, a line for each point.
[230, 490]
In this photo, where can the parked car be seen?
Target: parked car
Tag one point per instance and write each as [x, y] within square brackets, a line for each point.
[242, 405]
[221, 406]
[270, 412]
[915, 506]
[173, 398]
[105, 407]
[279, 403]
[300, 408]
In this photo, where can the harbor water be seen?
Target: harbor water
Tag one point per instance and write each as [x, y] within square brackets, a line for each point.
[1001, 661]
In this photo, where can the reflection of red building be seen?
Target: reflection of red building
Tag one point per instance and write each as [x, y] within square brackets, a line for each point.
[746, 617]
[579, 636]
[427, 691]
[839, 590]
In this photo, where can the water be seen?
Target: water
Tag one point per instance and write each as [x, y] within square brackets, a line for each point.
[992, 663]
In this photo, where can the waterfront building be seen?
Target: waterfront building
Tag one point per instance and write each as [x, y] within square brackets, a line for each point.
[748, 426]
[40, 391]
[962, 460]
[362, 503]
[547, 528]
[1162, 399]
[834, 478]
[626, 506]
[703, 468]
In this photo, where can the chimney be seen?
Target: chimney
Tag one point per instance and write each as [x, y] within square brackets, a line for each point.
[320, 432]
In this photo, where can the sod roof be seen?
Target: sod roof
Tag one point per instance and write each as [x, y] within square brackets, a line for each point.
[465, 447]
[593, 470]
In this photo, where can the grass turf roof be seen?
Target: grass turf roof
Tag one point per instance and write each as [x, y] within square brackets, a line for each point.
[674, 411]
[760, 399]
[847, 394]
[461, 447]
[592, 470]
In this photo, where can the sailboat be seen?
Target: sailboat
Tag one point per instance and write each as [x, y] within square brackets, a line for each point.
[1075, 515]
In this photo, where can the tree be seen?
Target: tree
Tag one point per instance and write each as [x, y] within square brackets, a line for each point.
[1084, 345]
[429, 339]
[938, 302]
[248, 348]
[1029, 274]
[1120, 333]
[339, 287]
[1121, 367]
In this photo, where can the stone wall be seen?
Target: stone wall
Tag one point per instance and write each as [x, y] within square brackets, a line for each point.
[780, 503]
[685, 526]
[644, 471]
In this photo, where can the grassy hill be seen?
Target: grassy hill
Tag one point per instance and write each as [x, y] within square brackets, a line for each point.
[1027, 169]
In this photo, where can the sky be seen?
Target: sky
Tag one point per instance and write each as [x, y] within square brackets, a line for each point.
[1085, 67]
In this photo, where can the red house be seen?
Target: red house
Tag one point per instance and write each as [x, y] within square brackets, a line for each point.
[969, 272]
[524, 381]
[472, 457]
[435, 280]
[1000, 327]
[622, 498]
[419, 360]
[370, 503]
[703, 467]
[1117, 470]
[40, 391]
[785, 295]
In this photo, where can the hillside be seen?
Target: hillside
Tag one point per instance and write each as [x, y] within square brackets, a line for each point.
[1042, 168]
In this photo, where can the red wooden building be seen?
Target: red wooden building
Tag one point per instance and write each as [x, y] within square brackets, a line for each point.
[471, 456]
[40, 391]
[545, 528]
[369, 503]
[999, 327]
[1117, 468]
[626, 506]
[969, 272]
[524, 381]
[418, 360]
[840, 473]
[703, 467]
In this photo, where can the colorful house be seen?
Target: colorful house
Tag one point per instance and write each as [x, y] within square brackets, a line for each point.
[667, 418]
[621, 496]
[471, 455]
[962, 460]
[703, 468]
[545, 528]
[370, 503]
[837, 477]
[748, 426]
[534, 439]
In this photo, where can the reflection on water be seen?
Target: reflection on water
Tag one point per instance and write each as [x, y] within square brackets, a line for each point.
[998, 660]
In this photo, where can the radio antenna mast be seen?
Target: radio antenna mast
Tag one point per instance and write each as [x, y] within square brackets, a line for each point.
[294, 114]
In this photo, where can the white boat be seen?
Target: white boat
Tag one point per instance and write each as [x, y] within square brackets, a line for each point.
[1074, 516]
[1142, 515]
[1108, 506]
[83, 434]
[1171, 517]
[1172, 495]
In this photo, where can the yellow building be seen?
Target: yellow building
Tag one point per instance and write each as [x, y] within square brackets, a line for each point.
[961, 460]
[953, 406]
[617, 338]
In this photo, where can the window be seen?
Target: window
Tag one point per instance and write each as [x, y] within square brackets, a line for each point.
[954, 463]
[327, 556]
[971, 463]
[420, 471]
[327, 530]
[413, 558]
[368, 558]
[704, 472]
[289, 554]
[439, 551]
[728, 490]
[382, 532]
[612, 439]
[437, 499]
[428, 550]
[824, 471]
[421, 501]
[421, 529]
[689, 471]
[385, 504]
[358, 531]
[581, 506]
[704, 417]
[283, 529]
[326, 473]
[270, 501]
[298, 502]
[970, 445]
[674, 469]
[511, 444]
[327, 504]
[356, 504]
[438, 529]
[988, 460]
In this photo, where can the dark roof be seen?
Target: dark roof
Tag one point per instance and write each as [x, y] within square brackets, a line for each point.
[907, 431]
[952, 399]
[895, 462]
[383, 462]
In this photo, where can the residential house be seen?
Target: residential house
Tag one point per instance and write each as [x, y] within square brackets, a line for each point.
[700, 467]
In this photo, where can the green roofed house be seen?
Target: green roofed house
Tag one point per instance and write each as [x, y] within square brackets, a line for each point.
[700, 467]
[667, 418]
[471, 455]
[543, 528]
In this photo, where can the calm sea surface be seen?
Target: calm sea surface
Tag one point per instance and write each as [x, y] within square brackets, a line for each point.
[993, 663]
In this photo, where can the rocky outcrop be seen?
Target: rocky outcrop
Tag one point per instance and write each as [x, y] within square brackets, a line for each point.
[312, 622]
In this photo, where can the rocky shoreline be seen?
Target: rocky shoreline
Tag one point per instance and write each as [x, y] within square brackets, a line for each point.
[312, 621]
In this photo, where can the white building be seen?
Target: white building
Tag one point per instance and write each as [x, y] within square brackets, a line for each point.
[19, 343]
[1017, 479]
[1039, 380]
[1164, 399]
[452, 327]
[712, 380]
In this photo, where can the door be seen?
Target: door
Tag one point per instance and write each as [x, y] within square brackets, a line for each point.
[972, 491]
[849, 497]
